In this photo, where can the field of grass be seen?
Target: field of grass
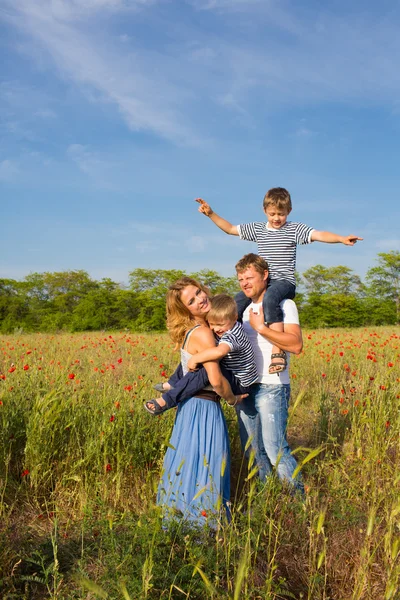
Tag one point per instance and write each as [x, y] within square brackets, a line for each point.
[80, 461]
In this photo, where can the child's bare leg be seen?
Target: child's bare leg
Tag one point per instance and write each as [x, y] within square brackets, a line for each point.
[278, 362]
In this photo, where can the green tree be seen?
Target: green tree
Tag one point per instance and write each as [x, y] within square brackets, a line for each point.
[384, 279]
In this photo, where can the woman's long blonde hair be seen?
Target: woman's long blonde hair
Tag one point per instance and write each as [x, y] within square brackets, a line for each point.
[179, 319]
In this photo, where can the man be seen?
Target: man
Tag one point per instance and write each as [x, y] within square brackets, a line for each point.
[263, 415]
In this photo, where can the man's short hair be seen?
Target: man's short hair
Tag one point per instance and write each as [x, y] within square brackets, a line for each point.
[223, 307]
[278, 197]
[252, 260]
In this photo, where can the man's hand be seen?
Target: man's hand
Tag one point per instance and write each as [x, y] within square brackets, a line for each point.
[256, 319]
[204, 207]
[350, 240]
[192, 364]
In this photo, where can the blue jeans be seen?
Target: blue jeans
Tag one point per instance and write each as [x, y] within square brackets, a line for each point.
[277, 290]
[263, 417]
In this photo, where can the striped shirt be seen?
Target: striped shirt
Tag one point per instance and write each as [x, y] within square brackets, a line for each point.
[240, 360]
[277, 246]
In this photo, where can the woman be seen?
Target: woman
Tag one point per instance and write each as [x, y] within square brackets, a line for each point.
[195, 482]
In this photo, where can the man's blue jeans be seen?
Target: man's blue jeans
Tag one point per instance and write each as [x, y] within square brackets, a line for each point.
[263, 417]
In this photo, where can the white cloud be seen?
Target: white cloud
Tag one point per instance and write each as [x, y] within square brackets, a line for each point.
[195, 243]
[143, 93]
[8, 170]
[388, 245]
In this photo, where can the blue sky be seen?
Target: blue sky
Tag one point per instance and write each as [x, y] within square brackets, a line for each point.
[116, 114]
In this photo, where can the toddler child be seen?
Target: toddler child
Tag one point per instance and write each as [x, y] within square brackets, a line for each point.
[277, 241]
[234, 352]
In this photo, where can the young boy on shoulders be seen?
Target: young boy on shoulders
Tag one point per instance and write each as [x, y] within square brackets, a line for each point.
[277, 241]
[234, 351]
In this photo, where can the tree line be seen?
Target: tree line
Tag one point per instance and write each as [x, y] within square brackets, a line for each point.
[73, 301]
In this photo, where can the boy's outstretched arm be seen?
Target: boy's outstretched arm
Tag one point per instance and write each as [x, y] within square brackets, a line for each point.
[223, 224]
[206, 355]
[334, 238]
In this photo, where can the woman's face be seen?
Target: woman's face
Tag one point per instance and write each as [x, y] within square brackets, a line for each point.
[195, 300]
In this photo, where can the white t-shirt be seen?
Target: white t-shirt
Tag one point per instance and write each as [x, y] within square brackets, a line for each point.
[262, 347]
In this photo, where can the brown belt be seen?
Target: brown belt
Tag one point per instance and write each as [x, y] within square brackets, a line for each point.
[208, 395]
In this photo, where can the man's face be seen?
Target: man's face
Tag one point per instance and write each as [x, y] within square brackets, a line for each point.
[253, 283]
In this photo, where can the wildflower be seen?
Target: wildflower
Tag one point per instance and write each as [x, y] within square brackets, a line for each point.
[390, 364]
[341, 353]
[387, 424]
[26, 367]
[1, 403]
[203, 513]
[2, 377]
[382, 387]
[71, 375]
[25, 473]
[345, 411]
[163, 374]
[12, 369]
[323, 375]
[119, 360]
[117, 405]
[112, 418]
[108, 467]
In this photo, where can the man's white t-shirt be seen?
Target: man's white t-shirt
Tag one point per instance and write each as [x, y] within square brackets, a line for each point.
[262, 347]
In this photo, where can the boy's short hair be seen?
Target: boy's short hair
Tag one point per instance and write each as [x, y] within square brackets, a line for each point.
[252, 260]
[223, 308]
[278, 197]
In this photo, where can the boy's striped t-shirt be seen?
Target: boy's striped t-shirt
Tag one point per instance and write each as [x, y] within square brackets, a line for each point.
[240, 360]
[277, 246]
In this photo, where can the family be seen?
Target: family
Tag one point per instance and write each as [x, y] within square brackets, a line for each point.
[245, 363]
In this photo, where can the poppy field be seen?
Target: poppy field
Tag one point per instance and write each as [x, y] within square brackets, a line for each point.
[80, 461]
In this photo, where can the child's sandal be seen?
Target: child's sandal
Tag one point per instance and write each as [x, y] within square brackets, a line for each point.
[154, 408]
[280, 366]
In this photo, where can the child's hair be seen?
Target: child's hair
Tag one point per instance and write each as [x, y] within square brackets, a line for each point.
[179, 319]
[278, 197]
[223, 307]
[252, 260]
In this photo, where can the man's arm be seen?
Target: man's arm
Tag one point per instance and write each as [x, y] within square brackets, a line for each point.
[223, 224]
[334, 238]
[210, 354]
[290, 339]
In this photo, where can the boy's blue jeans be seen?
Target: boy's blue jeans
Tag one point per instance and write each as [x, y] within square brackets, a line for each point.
[186, 386]
[263, 416]
[277, 290]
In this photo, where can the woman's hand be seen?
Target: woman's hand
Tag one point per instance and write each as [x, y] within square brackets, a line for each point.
[238, 399]
[192, 364]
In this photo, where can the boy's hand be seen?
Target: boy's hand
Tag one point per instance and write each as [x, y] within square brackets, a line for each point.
[204, 207]
[192, 364]
[350, 240]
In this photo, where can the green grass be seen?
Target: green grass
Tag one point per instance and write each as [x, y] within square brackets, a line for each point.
[80, 461]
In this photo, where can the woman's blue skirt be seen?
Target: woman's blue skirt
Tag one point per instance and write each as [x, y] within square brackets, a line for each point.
[195, 482]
